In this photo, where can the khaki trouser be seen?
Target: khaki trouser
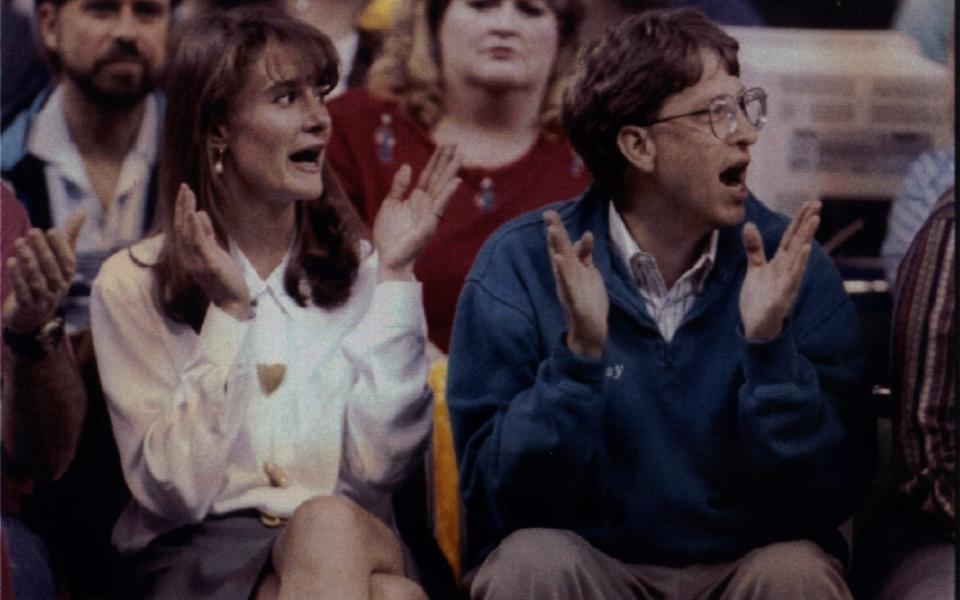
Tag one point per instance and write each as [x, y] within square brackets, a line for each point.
[553, 564]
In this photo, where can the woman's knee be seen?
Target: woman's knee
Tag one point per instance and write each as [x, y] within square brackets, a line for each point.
[333, 525]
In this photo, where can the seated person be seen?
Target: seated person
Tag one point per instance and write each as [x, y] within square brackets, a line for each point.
[43, 401]
[660, 408]
[924, 359]
[264, 366]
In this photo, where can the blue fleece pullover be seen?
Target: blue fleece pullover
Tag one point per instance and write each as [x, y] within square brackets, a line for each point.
[694, 450]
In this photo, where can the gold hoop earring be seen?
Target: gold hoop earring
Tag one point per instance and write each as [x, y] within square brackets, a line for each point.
[218, 162]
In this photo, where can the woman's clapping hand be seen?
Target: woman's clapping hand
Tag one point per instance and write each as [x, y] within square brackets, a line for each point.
[403, 227]
[210, 265]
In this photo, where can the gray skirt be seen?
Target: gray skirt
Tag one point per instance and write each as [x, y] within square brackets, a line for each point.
[221, 558]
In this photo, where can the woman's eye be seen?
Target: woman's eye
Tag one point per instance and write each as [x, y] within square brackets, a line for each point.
[320, 92]
[480, 4]
[531, 9]
[286, 98]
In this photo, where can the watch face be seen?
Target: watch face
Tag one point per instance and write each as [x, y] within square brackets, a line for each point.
[49, 335]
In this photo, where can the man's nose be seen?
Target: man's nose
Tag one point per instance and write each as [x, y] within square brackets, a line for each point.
[746, 133]
[126, 26]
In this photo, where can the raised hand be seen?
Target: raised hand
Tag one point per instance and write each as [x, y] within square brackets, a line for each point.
[770, 288]
[580, 288]
[211, 266]
[403, 227]
[41, 272]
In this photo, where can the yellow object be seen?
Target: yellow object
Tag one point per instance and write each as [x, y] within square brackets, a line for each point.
[446, 481]
[378, 15]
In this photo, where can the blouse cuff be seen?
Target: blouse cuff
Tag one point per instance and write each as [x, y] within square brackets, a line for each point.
[221, 336]
[397, 304]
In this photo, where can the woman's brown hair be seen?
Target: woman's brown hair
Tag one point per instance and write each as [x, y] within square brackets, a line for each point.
[211, 58]
[409, 68]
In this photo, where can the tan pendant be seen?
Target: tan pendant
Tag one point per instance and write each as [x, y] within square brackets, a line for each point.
[270, 377]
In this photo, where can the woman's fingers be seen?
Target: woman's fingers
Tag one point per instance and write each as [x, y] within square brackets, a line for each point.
[442, 199]
[445, 168]
[204, 235]
[401, 181]
[424, 179]
[447, 172]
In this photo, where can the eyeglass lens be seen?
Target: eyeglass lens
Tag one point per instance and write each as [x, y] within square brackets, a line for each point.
[723, 112]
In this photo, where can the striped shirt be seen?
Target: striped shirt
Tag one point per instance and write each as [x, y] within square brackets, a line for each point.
[924, 355]
[666, 306]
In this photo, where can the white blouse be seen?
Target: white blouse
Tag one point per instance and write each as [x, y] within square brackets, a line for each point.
[195, 424]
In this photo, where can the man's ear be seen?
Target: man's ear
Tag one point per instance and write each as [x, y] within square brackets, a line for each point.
[47, 22]
[637, 147]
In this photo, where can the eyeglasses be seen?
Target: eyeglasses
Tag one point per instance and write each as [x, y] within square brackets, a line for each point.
[724, 119]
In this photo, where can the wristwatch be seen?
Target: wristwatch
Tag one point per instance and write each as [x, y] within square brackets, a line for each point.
[38, 344]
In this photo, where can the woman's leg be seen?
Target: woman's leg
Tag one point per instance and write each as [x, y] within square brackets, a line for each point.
[332, 548]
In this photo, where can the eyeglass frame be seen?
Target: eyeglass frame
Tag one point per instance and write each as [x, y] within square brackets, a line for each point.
[739, 102]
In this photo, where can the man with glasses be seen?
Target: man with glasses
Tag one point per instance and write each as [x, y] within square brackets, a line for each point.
[658, 409]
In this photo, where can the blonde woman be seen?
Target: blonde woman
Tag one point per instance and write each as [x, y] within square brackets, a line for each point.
[483, 74]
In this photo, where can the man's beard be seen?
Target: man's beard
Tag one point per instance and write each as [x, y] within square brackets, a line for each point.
[117, 95]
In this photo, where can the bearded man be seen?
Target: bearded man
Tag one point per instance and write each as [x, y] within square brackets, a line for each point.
[91, 139]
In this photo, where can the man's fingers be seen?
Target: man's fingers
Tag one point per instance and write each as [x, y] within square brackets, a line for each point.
[584, 249]
[557, 236]
[799, 264]
[796, 231]
[791, 230]
[561, 277]
[809, 229]
[20, 286]
[49, 267]
[72, 229]
[31, 272]
[753, 246]
[401, 181]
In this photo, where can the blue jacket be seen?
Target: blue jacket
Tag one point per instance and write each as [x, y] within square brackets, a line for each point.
[26, 172]
[696, 450]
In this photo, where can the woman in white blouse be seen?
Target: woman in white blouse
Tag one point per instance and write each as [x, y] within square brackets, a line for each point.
[264, 365]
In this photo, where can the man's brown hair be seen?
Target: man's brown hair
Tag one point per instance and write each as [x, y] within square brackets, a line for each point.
[626, 76]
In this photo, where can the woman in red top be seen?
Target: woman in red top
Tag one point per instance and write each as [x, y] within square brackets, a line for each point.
[485, 75]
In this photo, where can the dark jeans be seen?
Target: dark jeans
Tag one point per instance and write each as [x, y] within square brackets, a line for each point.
[30, 565]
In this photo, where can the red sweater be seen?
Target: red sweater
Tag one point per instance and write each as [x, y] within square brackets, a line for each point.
[372, 138]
